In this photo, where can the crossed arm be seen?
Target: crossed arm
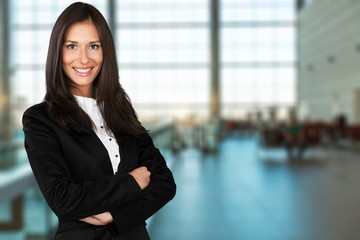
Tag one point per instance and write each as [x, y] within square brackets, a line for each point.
[142, 177]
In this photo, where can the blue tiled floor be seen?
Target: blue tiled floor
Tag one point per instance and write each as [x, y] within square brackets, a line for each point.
[238, 195]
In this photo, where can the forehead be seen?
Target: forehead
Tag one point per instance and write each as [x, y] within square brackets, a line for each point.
[82, 31]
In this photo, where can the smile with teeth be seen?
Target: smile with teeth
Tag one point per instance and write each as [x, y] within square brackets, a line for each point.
[83, 70]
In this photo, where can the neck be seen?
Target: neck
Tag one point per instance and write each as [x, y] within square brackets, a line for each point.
[82, 93]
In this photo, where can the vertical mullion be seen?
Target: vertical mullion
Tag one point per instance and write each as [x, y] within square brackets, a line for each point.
[214, 60]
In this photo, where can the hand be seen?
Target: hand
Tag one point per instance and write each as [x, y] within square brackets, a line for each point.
[98, 219]
[142, 176]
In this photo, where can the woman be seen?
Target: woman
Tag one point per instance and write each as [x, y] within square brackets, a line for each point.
[94, 162]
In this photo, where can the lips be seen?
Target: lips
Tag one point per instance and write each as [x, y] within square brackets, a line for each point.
[83, 71]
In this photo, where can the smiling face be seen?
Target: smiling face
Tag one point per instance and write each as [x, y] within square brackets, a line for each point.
[82, 57]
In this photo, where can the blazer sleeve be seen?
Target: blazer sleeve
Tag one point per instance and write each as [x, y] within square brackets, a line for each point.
[162, 189]
[70, 199]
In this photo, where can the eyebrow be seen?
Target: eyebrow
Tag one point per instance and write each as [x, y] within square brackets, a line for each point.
[92, 42]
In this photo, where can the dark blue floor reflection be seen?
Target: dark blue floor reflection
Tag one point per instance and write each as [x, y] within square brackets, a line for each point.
[238, 195]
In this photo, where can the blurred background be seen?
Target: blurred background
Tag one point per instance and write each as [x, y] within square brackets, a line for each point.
[216, 83]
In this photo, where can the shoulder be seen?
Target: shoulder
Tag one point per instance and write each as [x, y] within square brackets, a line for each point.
[40, 108]
[144, 140]
[39, 111]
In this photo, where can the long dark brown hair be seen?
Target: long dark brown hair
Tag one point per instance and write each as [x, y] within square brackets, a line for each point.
[113, 101]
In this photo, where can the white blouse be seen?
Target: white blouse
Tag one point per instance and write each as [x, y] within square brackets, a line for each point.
[90, 106]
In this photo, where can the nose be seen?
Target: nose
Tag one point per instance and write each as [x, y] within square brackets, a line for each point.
[84, 59]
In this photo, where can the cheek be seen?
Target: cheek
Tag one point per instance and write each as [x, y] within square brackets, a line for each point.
[66, 68]
[66, 58]
[66, 64]
[98, 59]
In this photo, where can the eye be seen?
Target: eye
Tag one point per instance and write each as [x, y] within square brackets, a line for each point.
[71, 46]
[94, 46]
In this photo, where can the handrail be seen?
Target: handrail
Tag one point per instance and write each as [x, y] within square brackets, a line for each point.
[16, 143]
[15, 181]
[161, 127]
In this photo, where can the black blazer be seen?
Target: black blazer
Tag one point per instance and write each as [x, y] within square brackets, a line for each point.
[75, 176]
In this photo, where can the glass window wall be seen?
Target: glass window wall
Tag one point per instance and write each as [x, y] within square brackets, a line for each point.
[257, 55]
[163, 51]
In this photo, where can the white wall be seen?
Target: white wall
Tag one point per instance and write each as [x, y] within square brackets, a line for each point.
[329, 59]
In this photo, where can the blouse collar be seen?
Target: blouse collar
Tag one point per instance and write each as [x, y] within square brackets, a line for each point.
[89, 105]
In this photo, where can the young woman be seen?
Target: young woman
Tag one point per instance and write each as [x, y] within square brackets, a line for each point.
[94, 162]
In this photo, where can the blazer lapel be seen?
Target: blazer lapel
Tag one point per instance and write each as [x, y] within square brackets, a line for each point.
[98, 150]
[125, 153]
